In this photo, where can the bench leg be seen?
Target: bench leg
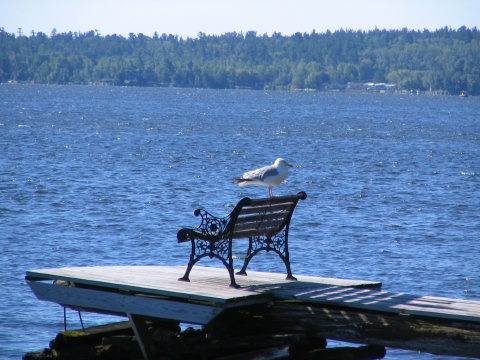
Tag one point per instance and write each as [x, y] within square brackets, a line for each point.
[191, 262]
[243, 270]
[221, 250]
[248, 257]
[258, 244]
[229, 265]
[233, 283]
[286, 259]
[290, 276]
[187, 273]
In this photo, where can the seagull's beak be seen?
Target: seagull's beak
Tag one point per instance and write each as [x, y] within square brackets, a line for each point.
[289, 165]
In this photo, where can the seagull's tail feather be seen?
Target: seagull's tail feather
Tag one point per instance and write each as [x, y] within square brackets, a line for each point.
[242, 181]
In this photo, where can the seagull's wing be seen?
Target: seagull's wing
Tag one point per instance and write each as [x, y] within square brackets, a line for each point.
[260, 174]
[258, 177]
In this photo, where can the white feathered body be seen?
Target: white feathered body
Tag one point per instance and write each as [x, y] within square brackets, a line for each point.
[270, 175]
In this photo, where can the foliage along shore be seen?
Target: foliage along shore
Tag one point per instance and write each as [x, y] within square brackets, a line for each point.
[444, 59]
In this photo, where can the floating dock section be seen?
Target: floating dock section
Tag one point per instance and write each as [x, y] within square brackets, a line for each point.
[355, 311]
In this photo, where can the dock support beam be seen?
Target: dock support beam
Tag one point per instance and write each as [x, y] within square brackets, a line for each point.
[144, 339]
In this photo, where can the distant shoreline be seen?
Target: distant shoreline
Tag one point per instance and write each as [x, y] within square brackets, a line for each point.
[443, 60]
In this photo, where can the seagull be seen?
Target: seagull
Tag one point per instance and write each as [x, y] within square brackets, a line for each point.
[270, 175]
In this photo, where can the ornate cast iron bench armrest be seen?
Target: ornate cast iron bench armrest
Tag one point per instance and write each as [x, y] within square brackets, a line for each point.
[208, 239]
[210, 228]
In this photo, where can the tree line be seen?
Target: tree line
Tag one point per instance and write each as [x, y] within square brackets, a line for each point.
[444, 59]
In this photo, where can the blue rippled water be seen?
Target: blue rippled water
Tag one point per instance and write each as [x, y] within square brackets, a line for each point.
[107, 175]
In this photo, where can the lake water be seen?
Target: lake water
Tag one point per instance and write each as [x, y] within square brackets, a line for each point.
[107, 175]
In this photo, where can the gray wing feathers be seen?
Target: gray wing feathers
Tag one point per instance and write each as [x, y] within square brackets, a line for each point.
[261, 174]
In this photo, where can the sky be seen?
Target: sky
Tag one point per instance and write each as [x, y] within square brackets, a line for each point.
[187, 18]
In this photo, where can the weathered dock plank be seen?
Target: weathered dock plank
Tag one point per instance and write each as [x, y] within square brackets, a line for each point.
[121, 303]
[384, 301]
[207, 284]
[153, 280]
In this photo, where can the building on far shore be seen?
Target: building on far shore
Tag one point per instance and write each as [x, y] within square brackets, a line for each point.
[371, 86]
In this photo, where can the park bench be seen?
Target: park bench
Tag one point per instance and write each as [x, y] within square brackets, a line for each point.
[265, 222]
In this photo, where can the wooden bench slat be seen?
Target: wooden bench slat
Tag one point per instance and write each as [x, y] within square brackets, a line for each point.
[274, 200]
[275, 225]
[265, 217]
[249, 233]
[271, 223]
[266, 208]
[261, 218]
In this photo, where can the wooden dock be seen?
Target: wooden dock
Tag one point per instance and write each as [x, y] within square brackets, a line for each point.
[356, 311]
[156, 291]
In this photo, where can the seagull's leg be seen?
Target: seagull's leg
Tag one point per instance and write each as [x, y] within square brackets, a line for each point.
[270, 191]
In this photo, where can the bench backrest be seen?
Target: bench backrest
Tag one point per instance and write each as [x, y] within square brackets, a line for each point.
[263, 217]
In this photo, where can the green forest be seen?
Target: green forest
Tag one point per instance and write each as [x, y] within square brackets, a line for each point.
[445, 59]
